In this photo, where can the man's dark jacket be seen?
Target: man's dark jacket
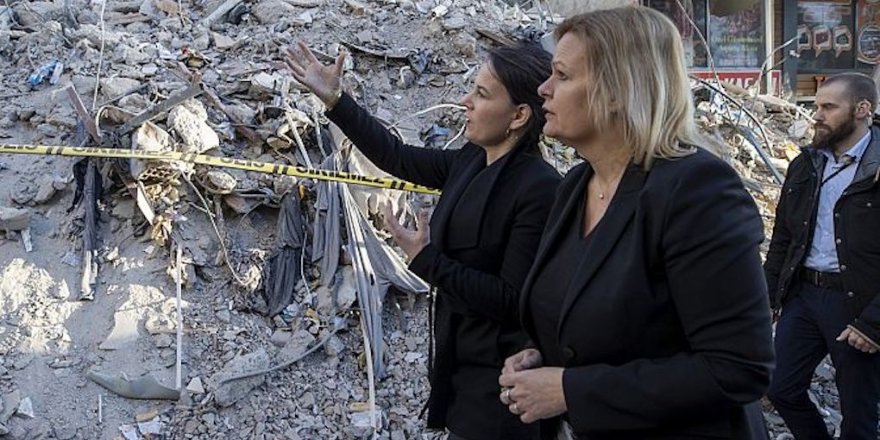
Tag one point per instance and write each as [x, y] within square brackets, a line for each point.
[856, 228]
[484, 235]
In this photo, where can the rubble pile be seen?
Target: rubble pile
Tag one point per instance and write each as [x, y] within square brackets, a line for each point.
[206, 77]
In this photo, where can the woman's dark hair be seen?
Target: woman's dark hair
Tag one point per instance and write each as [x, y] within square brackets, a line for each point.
[521, 69]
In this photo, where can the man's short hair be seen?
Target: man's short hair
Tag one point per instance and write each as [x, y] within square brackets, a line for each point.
[859, 86]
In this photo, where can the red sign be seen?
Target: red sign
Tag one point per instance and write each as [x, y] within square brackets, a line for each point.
[745, 78]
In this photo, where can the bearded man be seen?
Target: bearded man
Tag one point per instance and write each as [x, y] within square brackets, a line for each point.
[823, 266]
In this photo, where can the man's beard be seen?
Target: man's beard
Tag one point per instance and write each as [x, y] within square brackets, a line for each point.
[834, 136]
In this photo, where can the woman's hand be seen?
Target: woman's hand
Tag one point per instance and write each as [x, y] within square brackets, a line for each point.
[323, 81]
[412, 242]
[533, 394]
[524, 360]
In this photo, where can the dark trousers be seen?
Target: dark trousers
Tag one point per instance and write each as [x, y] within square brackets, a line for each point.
[805, 333]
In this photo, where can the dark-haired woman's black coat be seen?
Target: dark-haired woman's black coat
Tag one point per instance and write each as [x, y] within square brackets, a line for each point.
[484, 234]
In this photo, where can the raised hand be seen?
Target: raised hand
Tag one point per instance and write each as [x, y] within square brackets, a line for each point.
[412, 242]
[323, 81]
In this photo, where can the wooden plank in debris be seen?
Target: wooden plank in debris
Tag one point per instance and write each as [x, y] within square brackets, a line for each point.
[496, 37]
[84, 115]
[164, 106]
[385, 54]
[239, 125]
[218, 12]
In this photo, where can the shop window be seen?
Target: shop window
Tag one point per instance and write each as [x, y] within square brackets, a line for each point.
[838, 34]
[735, 35]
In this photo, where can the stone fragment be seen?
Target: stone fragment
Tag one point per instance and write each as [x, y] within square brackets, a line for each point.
[222, 42]
[26, 408]
[114, 87]
[193, 130]
[195, 386]
[227, 393]
[14, 219]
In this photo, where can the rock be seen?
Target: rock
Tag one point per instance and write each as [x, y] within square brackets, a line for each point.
[32, 14]
[25, 408]
[46, 190]
[221, 182]
[197, 136]
[297, 345]
[164, 340]
[21, 362]
[281, 337]
[146, 415]
[114, 87]
[125, 330]
[149, 69]
[454, 23]
[190, 427]
[14, 219]
[465, 44]
[264, 83]
[798, 129]
[222, 42]
[334, 346]
[150, 429]
[228, 393]
[195, 386]
[242, 112]
[224, 316]
[3, 429]
[65, 432]
[124, 209]
[271, 11]
[10, 404]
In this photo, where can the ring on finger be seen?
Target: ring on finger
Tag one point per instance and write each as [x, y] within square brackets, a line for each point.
[514, 409]
[506, 395]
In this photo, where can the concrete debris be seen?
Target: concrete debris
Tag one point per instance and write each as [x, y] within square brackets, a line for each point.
[14, 219]
[145, 387]
[10, 405]
[230, 392]
[191, 126]
[195, 386]
[25, 408]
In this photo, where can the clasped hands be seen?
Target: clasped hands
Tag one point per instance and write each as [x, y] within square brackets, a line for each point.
[529, 390]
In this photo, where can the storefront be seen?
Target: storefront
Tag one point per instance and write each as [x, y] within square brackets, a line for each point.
[832, 36]
[740, 36]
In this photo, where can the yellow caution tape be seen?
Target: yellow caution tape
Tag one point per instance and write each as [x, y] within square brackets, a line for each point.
[225, 162]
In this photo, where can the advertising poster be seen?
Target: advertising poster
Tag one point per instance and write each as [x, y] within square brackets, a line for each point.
[868, 26]
[826, 39]
[737, 40]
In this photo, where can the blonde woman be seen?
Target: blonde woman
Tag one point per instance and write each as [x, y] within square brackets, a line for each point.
[647, 302]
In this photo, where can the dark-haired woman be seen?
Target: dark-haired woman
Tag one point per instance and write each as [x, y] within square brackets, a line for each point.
[482, 237]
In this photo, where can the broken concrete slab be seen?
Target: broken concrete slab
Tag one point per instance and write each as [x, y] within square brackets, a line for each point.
[114, 87]
[25, 408]
[195, 386]
[193, 130]
[222, 42]
[10, 405]
[14, 219]
[125, 331]
[230, 392]
[272, 11]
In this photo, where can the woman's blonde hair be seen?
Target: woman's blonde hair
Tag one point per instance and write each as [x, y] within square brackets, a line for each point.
[636, 60]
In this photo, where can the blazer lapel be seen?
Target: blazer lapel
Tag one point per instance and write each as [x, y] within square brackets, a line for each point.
[450, 197]
[558, 213]
[606, 235]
